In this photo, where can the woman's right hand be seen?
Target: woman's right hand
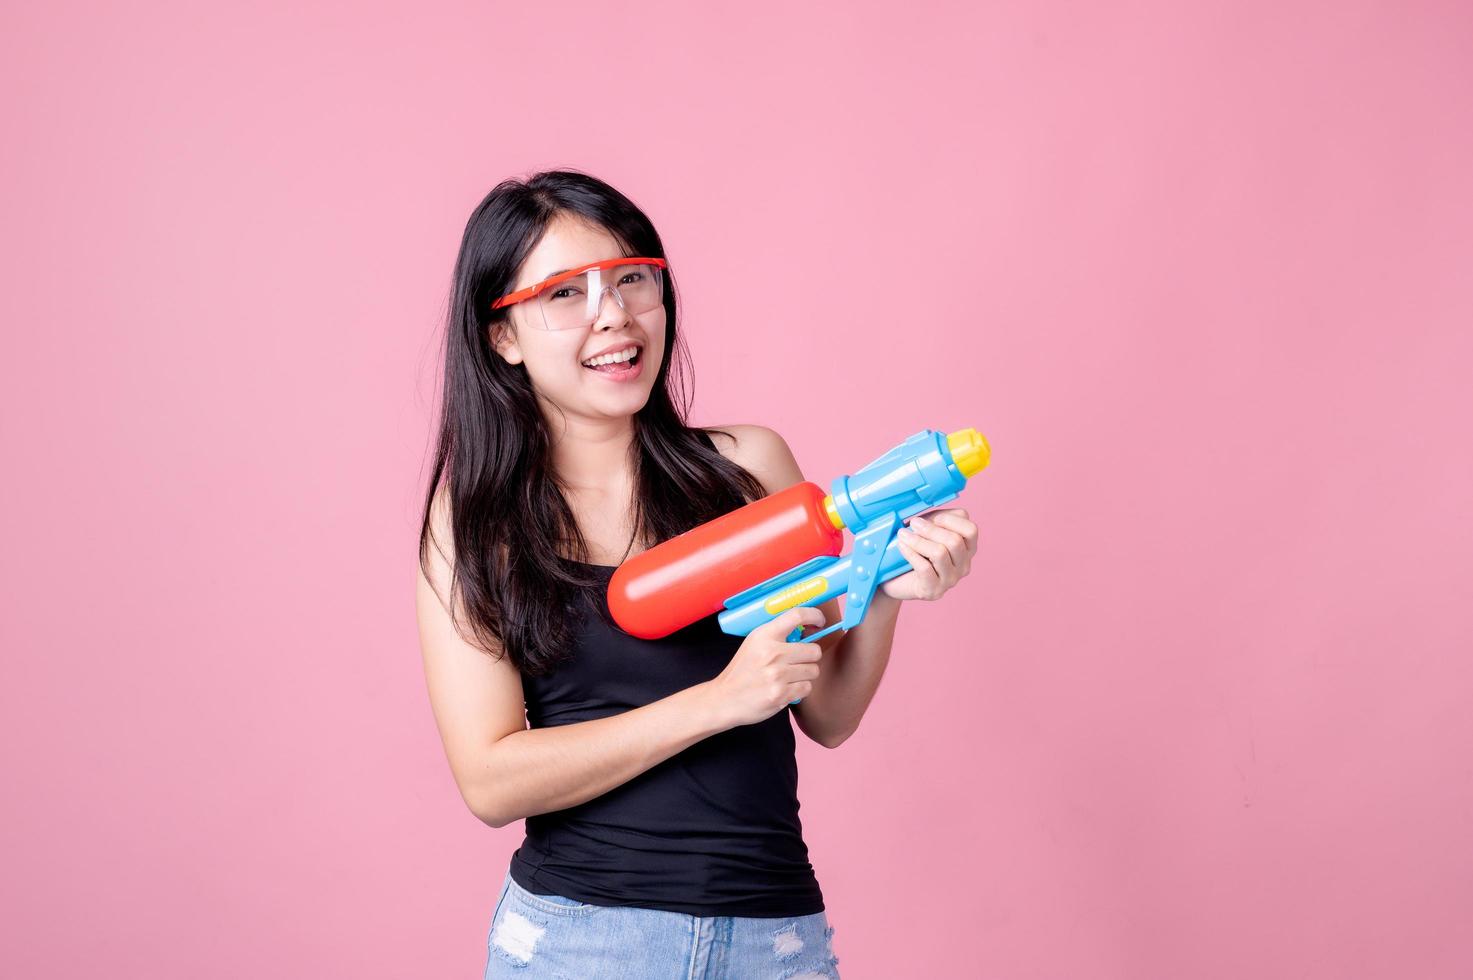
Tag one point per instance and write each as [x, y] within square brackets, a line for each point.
[767, 672]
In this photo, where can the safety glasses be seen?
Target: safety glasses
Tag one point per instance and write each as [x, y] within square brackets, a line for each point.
[570, 300]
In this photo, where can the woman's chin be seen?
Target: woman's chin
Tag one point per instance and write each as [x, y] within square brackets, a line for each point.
[618, 401]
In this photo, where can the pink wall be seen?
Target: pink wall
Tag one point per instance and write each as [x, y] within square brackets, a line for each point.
[1199, 271]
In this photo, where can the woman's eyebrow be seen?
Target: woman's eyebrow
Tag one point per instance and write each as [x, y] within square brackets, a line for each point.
[561, 271]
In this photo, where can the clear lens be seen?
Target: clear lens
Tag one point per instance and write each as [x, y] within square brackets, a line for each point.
[574, 303]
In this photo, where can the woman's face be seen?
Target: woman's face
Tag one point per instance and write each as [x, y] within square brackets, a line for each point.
[554, 358]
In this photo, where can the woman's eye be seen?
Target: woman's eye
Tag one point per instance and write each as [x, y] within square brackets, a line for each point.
[631, 276]
[562, 293]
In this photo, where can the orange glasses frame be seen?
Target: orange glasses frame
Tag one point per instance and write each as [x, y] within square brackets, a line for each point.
[530, 291]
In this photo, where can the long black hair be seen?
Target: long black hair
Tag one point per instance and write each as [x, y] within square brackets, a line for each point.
[512, 529]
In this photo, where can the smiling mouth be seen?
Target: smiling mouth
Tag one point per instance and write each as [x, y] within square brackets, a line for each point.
[620, 367]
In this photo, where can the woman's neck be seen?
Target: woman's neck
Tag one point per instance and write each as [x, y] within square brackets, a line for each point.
[592, 455]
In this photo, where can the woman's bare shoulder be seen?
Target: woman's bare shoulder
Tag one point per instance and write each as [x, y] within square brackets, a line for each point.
[760, 451]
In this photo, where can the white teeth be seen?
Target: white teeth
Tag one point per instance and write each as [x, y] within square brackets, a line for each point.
[616, 358]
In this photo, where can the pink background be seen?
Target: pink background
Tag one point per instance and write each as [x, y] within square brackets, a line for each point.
[1201, 272]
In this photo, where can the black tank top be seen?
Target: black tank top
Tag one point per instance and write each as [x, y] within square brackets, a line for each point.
[713, 830]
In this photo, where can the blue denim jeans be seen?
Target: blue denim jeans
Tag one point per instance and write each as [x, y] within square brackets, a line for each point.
[537, 936]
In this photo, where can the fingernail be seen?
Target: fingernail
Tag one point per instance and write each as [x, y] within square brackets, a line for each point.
[919, 520]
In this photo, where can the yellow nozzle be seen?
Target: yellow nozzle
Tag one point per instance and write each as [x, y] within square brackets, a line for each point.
[969, 451]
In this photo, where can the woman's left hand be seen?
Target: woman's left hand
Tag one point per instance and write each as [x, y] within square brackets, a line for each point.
[940, 547]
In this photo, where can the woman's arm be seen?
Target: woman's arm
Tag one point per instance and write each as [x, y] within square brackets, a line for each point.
[853, 660]
[506, 771]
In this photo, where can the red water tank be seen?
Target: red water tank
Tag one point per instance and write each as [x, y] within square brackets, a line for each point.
[688, 577]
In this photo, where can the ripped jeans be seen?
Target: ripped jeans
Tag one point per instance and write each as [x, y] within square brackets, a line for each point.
[547, 936]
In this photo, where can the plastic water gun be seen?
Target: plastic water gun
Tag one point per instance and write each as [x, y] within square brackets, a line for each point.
[782, 551]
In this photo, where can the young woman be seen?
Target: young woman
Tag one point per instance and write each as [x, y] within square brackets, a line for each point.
[657, 778]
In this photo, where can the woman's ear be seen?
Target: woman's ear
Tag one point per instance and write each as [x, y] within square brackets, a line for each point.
[503, 339]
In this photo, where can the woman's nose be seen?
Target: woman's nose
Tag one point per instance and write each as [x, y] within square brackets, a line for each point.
[617, 315]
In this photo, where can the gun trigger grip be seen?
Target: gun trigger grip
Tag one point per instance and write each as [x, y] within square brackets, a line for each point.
[864, 569]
